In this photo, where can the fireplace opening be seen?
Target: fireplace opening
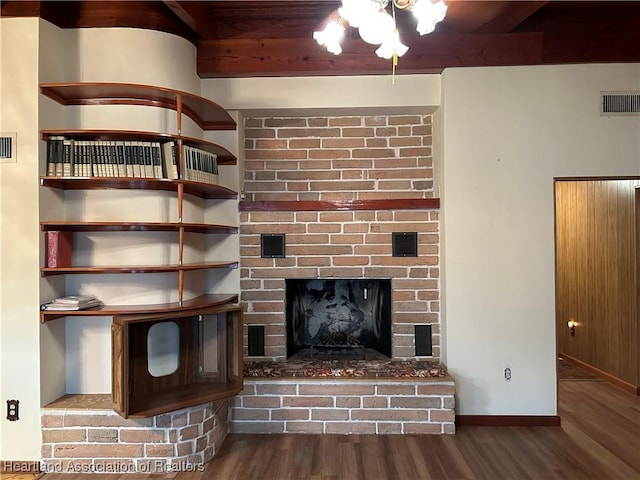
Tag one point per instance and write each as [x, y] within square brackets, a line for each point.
[338, 319]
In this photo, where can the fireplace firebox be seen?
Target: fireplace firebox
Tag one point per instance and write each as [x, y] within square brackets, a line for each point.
[331, 319]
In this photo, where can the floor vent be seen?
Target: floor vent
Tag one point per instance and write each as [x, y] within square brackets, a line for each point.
[620, 103]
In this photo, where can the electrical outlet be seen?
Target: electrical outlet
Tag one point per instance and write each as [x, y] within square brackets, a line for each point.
[12, 410]
[507, 374]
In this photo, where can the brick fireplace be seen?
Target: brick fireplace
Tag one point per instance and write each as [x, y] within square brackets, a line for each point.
[340, 159]
[338, 188]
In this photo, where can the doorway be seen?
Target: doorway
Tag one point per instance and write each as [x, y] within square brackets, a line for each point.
[597, 224]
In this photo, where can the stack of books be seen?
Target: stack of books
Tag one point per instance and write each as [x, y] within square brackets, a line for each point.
[72, 302]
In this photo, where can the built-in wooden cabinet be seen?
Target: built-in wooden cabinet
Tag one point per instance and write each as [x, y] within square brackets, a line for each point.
[135, 390]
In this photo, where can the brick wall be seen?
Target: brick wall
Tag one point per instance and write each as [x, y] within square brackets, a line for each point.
[344, 406]
[100, 441]
[340, 158]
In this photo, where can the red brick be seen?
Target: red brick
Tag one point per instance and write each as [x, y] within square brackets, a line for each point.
[416, 152]
[314, 261]
[383, 389]
[97, 450]
[386, 132]
[388, 428]
[442, 416]
[348, 402]
[142, 436]
[342, 142]
[387, 414]
[374, 402]
[317, 250]
[421, 130]
[105, 421]
[375, 121]
[258, 427]
[351, 186]
[104, 435]
[307, 239]
[270, 144]
[63, 435]
[324, 228]
[345, 121]
[288, 154]
[428, 389]
[290, 414]
[253, 122]
[416, 402]
[373, 153]
[259, 133]
[350, 164]
[379, 142]
[405, 142]
[305, 401]
[340, 272]
[350, 260]
[318, 122]
[304, 143]
[308, 175]
[405, 120]
[285, 122]
[336, 217]
[329, 153]
[308, 132]
[329, 414]
[52, 421]
[422, 428]
[346, 239]
[408, 173]
[394, 185]
[345, 428]
[304, 427]
[347, 388]
[156, 450]
[249, 414]
[261, 401]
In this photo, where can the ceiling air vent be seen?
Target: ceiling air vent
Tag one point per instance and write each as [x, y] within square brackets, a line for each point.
[620, 103]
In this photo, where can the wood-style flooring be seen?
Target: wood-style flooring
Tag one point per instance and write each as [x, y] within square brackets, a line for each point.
[599, 439]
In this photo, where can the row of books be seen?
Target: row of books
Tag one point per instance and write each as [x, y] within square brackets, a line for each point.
[68, 157]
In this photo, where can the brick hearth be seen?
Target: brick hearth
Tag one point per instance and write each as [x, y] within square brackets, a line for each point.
[344, 406]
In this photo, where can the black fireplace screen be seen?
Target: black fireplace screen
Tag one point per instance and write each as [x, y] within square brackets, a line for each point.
[346, 317]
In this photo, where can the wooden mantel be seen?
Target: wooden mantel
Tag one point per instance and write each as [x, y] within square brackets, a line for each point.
[340, 205]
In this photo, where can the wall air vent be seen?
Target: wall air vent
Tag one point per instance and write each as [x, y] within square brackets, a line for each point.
[7, 147]
[620, 103]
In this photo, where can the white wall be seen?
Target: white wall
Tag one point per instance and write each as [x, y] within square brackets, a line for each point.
[507, 133]
[19, 240]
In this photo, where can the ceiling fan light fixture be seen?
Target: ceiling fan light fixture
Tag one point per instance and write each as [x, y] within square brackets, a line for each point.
[356, 11]
[428, 14]
[331, 37]
[377, 28]
[392, 46]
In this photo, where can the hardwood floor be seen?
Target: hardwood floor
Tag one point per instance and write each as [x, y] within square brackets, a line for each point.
[599, 439]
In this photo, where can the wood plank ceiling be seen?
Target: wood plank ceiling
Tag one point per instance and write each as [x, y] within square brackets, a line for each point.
[244, 38]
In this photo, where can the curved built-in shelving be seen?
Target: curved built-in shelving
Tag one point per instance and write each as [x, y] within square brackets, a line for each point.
[193, 304]
[185, 267]
[224, 156]
[199, 189]
[207, 114]
[136, 227]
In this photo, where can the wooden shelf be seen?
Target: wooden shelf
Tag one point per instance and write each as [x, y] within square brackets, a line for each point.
[197, 303]
[182, 397]
[203, 190]
[339, 205]
[47, 272]
[207, 114]
[224, 156]
[136, 227]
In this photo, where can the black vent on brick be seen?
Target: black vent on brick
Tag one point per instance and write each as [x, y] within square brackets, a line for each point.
[272, 245]
[423, 340]
[405, 244]
[255, 340]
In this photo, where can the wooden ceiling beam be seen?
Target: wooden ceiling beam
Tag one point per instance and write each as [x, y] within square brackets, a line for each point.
[513, 15]
[296, 56]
